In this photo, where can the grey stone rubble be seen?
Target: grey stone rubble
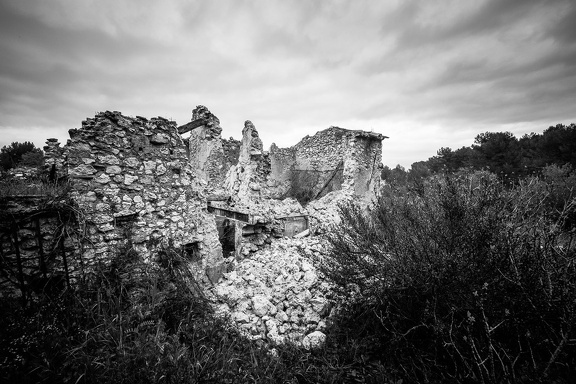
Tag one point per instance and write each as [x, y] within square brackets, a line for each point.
[276, 294]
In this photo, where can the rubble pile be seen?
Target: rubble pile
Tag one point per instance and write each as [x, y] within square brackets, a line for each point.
[276, 294]
[323, 212]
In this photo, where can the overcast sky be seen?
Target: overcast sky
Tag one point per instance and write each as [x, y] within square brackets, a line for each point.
[428, 74]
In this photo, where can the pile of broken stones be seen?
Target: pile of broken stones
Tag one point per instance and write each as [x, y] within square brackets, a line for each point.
[276, 295]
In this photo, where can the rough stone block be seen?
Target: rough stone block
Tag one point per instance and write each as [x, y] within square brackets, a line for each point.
[159, 138]
[214, 273]
[314, 340]
[113, 170]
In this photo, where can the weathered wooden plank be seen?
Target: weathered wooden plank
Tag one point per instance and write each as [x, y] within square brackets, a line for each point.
[239, 216]
[191, 125]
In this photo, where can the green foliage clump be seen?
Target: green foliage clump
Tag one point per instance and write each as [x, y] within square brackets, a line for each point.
[461, 279]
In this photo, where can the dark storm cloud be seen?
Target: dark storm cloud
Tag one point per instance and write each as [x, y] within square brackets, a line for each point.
[427, 74]
[518, 59]
[415, 29]
[565, 29]
[46, 72]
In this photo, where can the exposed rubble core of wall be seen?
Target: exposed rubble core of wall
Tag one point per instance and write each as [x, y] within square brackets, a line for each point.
[245, 177]
[133, 176]
[211, 156]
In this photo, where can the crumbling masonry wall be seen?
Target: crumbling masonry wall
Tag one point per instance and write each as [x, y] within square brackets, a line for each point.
[132, 179]
[205, 147]
[332, 159]
[242, 177]
[211, 156]
[54, 159]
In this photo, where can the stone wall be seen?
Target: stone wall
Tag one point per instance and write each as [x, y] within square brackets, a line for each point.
[363, 164]
[282, 162]
[140, 177]
[332, 159]
[322, 151]
[137, 183]
[345, 159]
[134, 183]
[335, 159]
[207, 156]
[53, 158]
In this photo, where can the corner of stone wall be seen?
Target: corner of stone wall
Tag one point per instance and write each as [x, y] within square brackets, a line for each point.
[134, 185]
[210, 156]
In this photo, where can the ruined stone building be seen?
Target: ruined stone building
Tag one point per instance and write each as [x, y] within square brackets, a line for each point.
[334, 159]
[249, 189]
[144, 183]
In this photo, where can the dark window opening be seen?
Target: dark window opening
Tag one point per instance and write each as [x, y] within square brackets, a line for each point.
[227, 236]
[191, 251]
[126, 220]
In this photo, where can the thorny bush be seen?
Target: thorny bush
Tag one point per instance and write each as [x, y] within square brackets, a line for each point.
[459, 279]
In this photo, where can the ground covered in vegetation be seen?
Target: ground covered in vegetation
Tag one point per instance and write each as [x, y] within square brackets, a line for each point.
[133, 322]
[450, 278]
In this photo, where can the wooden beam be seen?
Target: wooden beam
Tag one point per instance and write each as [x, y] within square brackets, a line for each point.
[191, 125]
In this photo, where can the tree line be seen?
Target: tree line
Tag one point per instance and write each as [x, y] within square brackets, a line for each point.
[500, 153]
[20, 154]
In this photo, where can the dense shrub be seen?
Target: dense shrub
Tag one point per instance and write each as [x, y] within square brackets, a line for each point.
[459, 279]
[560, 184]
